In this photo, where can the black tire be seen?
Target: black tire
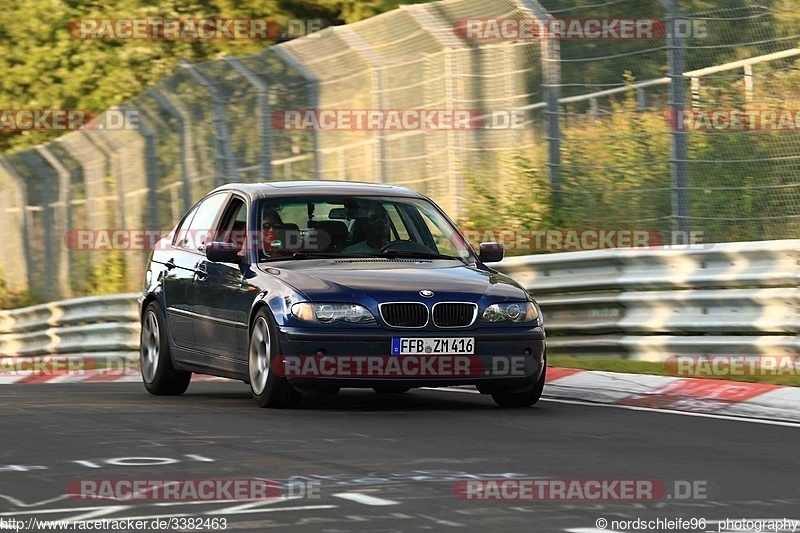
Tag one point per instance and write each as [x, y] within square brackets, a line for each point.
[268, 388]
[386, 389]
[521, 399]
[155, 358]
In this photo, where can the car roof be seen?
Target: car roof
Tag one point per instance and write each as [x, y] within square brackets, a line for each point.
[293, 188]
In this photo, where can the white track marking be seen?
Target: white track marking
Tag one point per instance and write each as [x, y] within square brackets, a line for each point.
[783, 423]
[590, 530]
[51, 511]
[97, 513]
[20, 503]
[252, 504]
[440, 521]
[275, 509]
[366, 499]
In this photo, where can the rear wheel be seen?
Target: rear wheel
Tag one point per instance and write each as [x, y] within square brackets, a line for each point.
[268, 388]
[391, 390]
[155, 359]
[521, 399]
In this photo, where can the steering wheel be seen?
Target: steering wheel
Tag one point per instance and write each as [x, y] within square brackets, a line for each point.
[405, 245]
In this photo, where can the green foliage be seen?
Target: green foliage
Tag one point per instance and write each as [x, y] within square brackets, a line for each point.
[616, 175]
[108, 275]
[42, 67]
[11, 299]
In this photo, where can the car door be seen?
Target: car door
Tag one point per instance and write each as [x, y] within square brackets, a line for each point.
[223, 296]
[182, 263]
[178, 283]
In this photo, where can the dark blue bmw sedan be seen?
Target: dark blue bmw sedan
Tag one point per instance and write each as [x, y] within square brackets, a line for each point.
[308, 287]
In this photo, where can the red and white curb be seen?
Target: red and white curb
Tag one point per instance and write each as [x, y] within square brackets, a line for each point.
[84, 376]
[721, 397]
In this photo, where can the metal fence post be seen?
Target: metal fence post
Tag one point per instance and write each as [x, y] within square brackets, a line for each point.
[378, 92]
[62, 216]
[19, 271]
[446, 38]
[313, 98]
[187, 161]
[151, 170]
[225, 162]
[265, 124]
[679, 164]
[49, 239]
[551, 76]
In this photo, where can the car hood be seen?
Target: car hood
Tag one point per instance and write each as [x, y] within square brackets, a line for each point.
[393, 280]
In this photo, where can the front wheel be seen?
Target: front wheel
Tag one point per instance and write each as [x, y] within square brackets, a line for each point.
[268, 388]
[521, 399]
[155, 359]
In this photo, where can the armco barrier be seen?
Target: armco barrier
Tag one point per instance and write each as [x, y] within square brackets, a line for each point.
[725, 299]
[648, 304]
[102, 324]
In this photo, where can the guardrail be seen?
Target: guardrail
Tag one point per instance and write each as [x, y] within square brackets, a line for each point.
[647, 304]
[98, 325]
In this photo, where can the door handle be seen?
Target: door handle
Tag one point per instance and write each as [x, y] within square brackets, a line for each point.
[170, 264]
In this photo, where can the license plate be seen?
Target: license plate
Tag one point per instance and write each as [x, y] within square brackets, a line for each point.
[428, 345]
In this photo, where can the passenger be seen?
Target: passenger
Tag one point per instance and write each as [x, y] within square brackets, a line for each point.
[270, 222]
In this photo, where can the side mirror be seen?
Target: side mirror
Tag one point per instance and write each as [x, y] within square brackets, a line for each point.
[491, 252]
[223, 252]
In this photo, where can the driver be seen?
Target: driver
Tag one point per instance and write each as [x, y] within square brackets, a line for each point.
[378, 232]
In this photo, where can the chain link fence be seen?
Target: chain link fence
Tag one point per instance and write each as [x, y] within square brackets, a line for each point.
[597, 145]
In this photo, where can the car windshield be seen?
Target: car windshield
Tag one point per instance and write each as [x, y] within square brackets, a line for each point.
[352, 226]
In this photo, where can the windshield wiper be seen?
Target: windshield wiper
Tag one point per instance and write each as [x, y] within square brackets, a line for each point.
[309, 255]
[416, 255]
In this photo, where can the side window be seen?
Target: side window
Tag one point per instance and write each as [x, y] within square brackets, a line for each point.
[233, 223]
[203, 219]
[182, 231]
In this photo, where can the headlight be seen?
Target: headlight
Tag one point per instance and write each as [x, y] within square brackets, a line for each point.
[328, 313]
[516, 312]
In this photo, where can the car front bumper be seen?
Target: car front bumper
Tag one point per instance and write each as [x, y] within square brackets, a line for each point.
[511, 359]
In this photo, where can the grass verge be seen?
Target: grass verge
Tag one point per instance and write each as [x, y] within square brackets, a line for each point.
[780, 377]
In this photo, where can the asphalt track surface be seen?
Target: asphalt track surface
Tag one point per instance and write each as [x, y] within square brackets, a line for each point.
[380, 462]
